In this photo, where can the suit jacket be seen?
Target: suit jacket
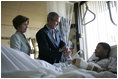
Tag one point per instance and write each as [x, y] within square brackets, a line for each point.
[48, 46]
[19, 42]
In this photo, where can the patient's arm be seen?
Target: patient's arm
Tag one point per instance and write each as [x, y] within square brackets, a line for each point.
[85, 65]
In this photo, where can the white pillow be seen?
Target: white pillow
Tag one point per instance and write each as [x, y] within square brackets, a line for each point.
[113, 52]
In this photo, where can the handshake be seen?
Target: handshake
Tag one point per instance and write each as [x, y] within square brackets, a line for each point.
[66, 51]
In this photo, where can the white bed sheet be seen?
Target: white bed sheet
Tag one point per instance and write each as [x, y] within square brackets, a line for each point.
[18, 64]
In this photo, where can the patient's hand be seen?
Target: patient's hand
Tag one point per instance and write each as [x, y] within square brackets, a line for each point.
[80, 63]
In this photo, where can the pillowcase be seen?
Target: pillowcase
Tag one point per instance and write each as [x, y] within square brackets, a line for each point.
[113, 52]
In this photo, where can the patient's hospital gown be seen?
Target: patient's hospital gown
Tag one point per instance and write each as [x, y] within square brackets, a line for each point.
[109, 64]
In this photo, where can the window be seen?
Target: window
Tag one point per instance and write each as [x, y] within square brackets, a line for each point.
[101, 29]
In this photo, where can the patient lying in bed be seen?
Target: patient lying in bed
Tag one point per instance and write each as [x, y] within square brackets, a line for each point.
[102, 61]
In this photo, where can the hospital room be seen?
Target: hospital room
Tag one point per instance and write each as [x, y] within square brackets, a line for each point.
[59, 39]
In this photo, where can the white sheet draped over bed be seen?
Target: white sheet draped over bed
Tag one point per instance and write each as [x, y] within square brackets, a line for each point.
[18, 64]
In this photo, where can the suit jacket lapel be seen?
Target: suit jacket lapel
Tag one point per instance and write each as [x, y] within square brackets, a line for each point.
[51, 37]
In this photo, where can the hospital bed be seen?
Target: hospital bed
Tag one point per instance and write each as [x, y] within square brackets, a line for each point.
[16, 64]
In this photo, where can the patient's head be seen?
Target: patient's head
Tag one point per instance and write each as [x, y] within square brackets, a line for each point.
[102, 50]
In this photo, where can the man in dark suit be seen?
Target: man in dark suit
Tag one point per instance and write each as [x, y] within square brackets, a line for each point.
[51, 46]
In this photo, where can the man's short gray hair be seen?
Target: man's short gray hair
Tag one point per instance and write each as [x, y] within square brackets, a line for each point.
[51, 16]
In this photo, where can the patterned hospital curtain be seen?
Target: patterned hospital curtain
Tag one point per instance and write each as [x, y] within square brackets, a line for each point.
[64, 28]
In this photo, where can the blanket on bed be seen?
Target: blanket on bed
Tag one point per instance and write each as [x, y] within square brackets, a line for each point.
[16, 64]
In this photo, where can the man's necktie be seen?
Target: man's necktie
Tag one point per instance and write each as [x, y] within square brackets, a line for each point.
[53, 33]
